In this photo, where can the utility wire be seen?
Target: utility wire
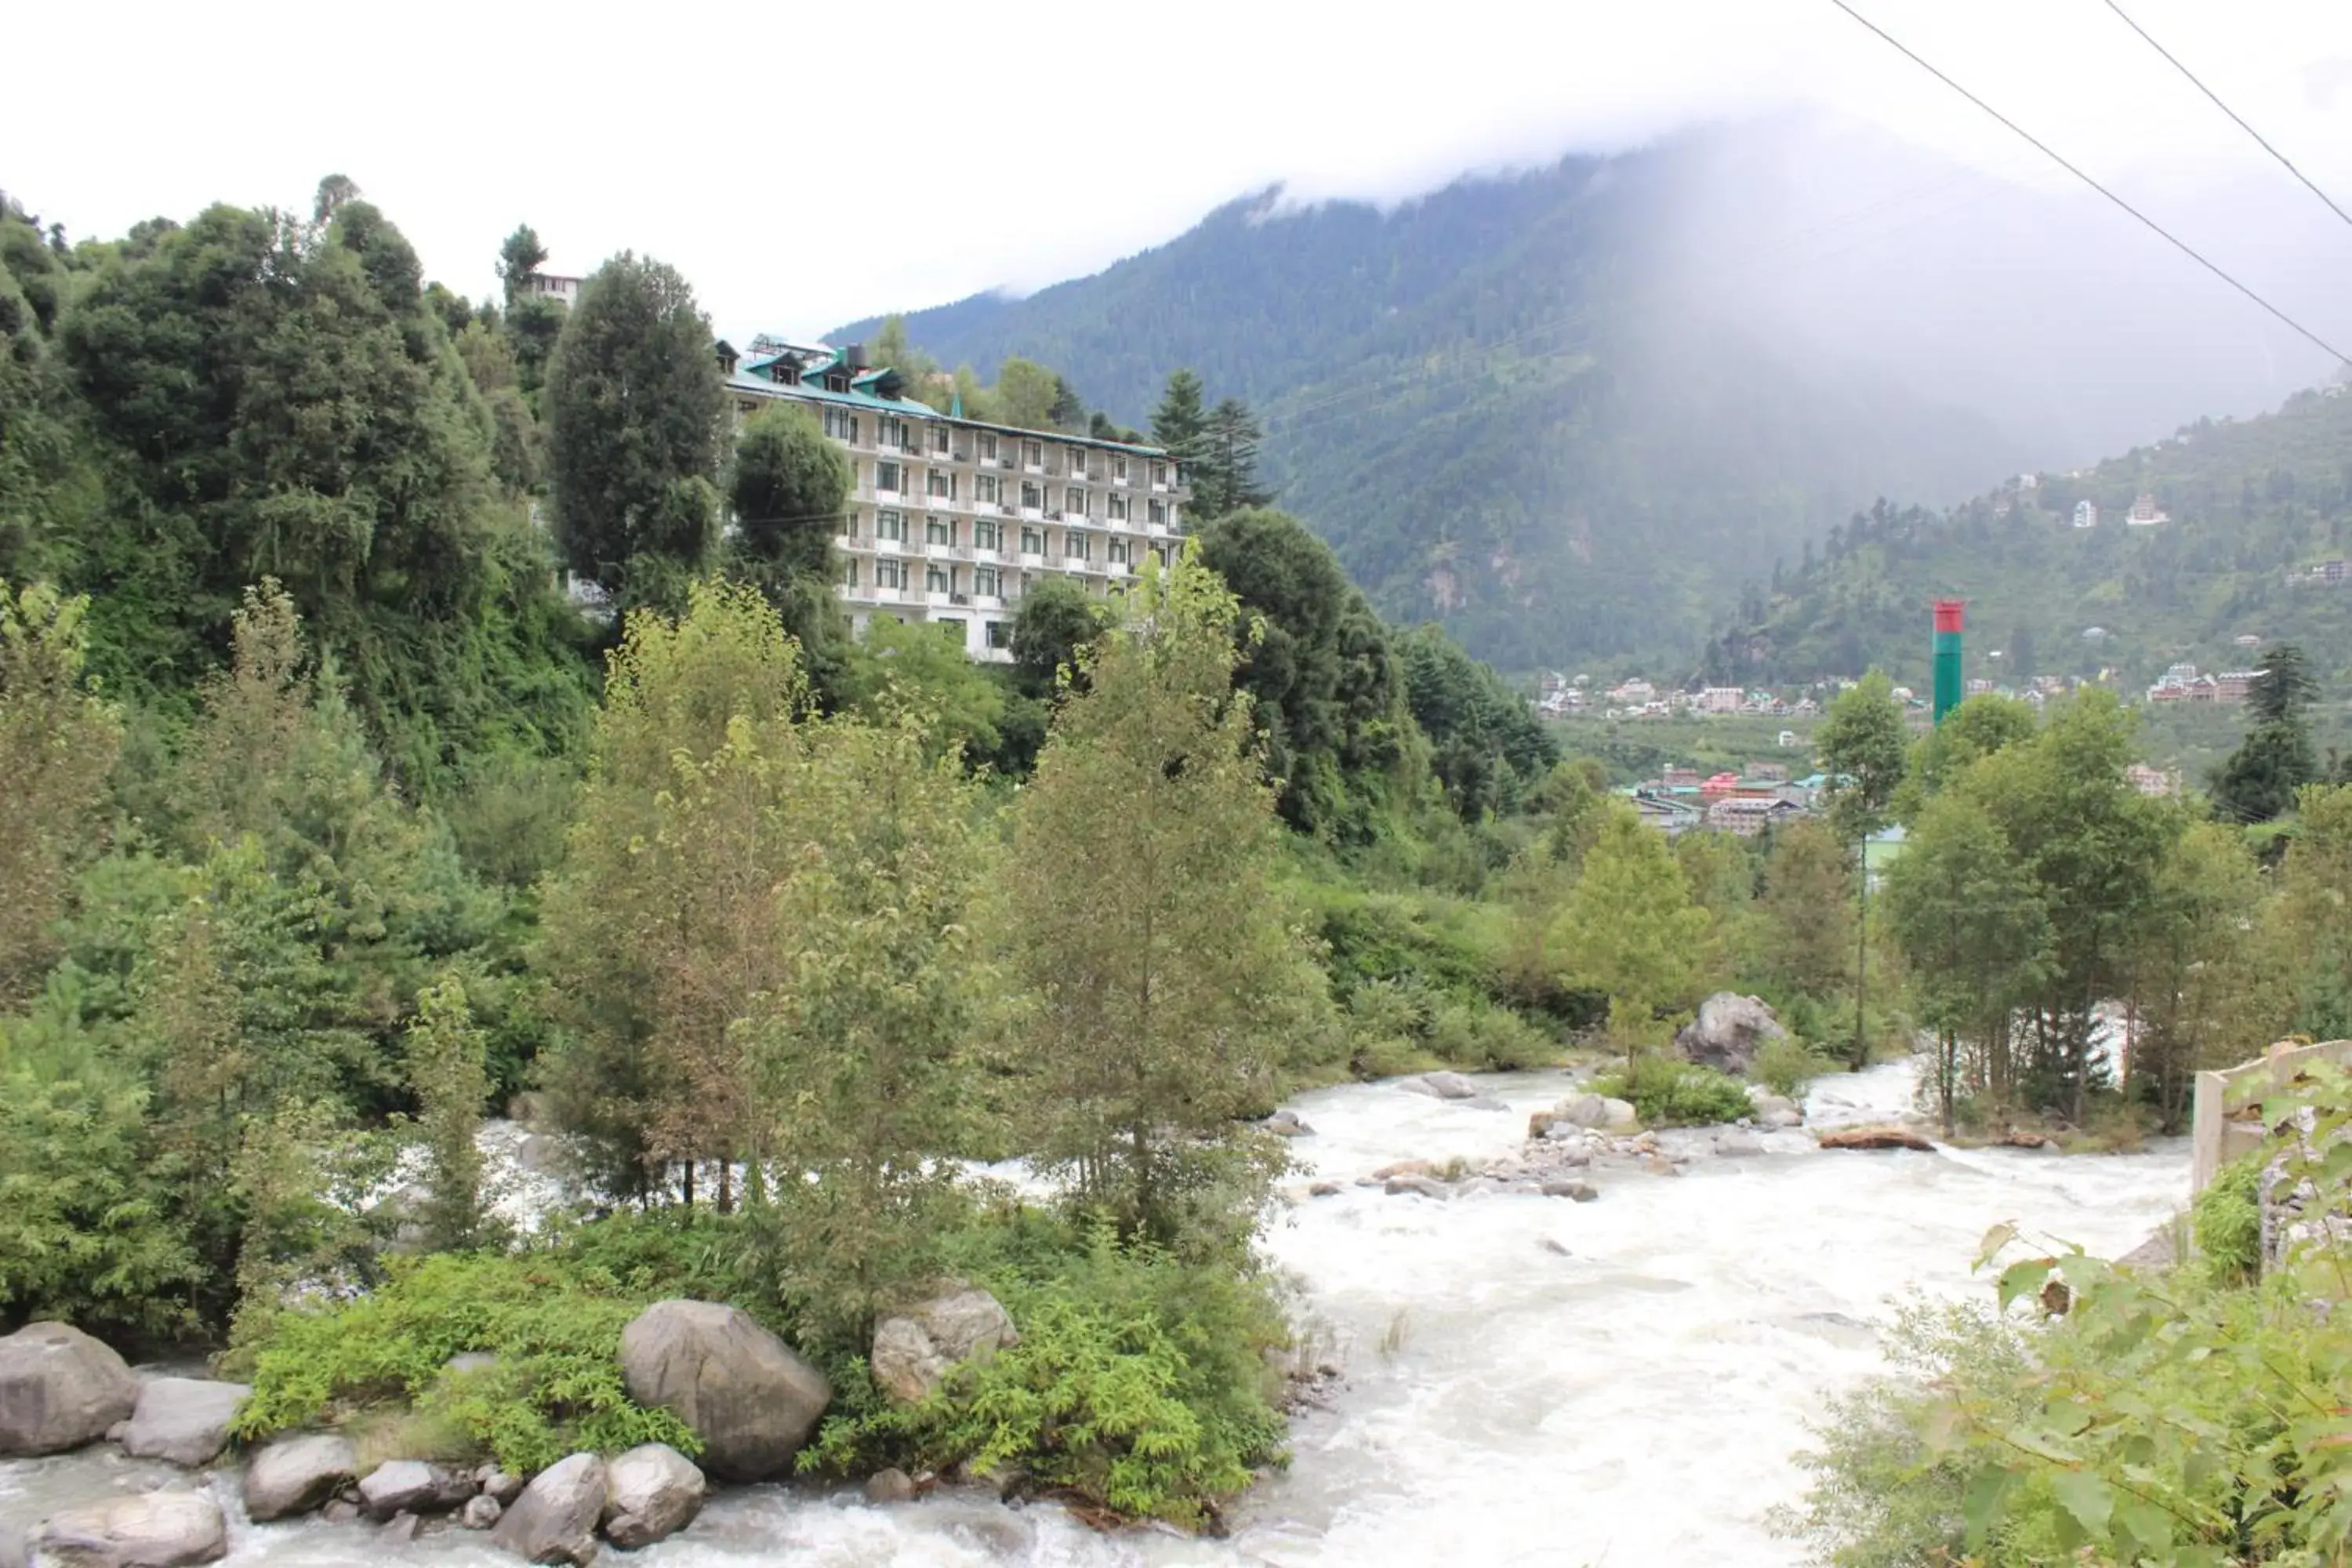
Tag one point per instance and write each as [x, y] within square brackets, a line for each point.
[2052, 154]
[2285, 162]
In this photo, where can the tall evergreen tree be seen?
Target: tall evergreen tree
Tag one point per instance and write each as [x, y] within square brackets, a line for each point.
[1181, 419]
[635, 415]
[520, 257]
[789, 491]
[1862, 748]
[1630, 931]
[2259, 780]
[1225, 473]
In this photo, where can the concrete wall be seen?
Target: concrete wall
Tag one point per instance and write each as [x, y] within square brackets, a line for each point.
[2226, 1123]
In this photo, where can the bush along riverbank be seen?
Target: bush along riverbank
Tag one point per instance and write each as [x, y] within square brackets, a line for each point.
[2100, 1411]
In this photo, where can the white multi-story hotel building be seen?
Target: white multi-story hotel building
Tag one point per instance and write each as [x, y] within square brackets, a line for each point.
[951, 520]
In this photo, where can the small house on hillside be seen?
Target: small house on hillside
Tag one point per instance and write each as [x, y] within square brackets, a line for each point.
[2086, 514]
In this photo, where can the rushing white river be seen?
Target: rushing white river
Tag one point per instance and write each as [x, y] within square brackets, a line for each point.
[1526, 1380]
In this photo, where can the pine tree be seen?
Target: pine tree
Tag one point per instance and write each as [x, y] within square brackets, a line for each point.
[1181, 422]
[789, 491]
[1862, 747]
[446, 1053]
[1225, 472]
[2259, 780]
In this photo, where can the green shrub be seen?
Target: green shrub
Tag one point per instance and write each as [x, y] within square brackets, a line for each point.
[1478, 1035]
[1666, 1092]
[552, 1321]
[2226, 1221]
[1786, 1066]
[1140, 1382]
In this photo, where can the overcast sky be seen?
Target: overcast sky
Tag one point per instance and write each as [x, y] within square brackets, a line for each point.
[806, 164]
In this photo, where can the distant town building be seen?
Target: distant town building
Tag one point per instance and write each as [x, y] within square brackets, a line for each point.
[2151, 780]
[1749, 816]
[1720, 699]
[2247, 639]
[1787, 738]
[1681, 778]
[2086, 514]
[1633, 693]
[2144, 512]
[560, 286]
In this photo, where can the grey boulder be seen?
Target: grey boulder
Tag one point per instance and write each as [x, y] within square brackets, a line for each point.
[183, 1419]
[1580, 1192]
[294, 1475]
[738, 1388]
[1450, 1086]
[412, 1485]
[886, 1486]
[154, 1530]
[914, 1350]
[1728, 1032]
[480, 1513]
[60, 1389]
[651, 1493]
[554, 1521]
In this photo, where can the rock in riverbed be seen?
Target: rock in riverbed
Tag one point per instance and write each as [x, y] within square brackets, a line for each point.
[752, 1400]
[294, 1475]
[183, 1419]
[1880, 1137]
[554, 1521]
[651, 1493]
[60, 1389]
[915, 1348]
[155, 1529]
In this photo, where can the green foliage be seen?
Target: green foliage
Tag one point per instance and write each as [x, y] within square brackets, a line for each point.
[56, 745]
[1317, 662]
[2225, 1221]
[1486, 748]
[1137, 1384]
[2260, 779]
[1628, 930]
[553, 1324]
[635, 418]
[2189, 1416]
[787, 491]
[446, 1065]
[1666, 1092]
[1786, 1066]
[1140, 913]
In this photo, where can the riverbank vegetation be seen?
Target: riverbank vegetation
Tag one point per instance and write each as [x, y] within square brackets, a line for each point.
[2098, 1413]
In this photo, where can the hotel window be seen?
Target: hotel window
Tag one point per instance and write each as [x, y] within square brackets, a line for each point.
[1032, 496]
[1119, 552]
[939, 439]
[889, 574]
[1077, 546]
[935, 579]
[940, 483]
[938, 530]
[849, 573]
[988, 445]
[1118, 508]
[987, 536]
[1158, 475]
[1033, 453]
[1033, 541]
[1074, 502]
[841, 424]
[892, 430]
[886, 477]
[986, 489]
[998, 637]
[984, 581]
[1078, 463]
[1119, 470]
[890, 525]
[1158, 513]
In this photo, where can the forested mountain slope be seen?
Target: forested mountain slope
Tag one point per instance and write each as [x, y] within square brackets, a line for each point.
[2252, 508]
[1571, 411]
[1500, 403]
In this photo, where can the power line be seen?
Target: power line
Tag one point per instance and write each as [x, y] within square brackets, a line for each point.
[2285, 162]
[2052, 154]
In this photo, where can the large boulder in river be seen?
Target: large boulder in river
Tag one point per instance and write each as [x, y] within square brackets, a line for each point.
[294, 1475]
[1728, 1032]
[183, 1419]
[154, 1530]
[915, 1348]
[60, 1389]
[412, 1485]
[554, 1521]
[651, 1493]
[738, 1388]
[1441, 1086]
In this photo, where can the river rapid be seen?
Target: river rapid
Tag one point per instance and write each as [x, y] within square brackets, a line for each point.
[1525, 1380]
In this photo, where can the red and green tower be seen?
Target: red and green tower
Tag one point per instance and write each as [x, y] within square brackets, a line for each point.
[1948, 656]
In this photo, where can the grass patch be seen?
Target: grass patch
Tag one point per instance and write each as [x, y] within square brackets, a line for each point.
[1666, 1092]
